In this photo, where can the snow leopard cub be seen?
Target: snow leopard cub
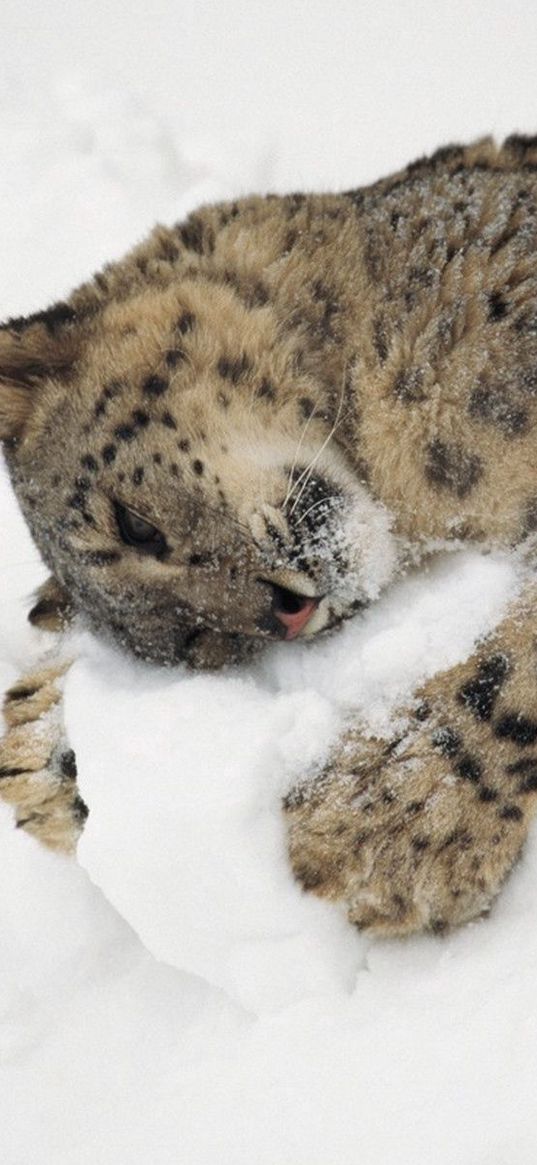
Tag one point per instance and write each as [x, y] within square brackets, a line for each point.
[243, 431]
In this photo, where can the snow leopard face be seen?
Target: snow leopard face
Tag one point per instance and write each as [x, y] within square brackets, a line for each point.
[182, 479]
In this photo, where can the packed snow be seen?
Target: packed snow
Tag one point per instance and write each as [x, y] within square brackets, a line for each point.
[173, 996]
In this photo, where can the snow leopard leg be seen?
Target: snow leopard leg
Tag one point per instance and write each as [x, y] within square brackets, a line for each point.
[420, 831]
[37, 766]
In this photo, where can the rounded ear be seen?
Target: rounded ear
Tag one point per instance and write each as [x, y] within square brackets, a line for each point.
[52, 609]
[32, 350]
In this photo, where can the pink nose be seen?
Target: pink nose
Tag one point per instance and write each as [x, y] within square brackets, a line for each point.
[294, 620]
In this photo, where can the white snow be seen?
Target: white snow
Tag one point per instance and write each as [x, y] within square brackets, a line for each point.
[174, 997]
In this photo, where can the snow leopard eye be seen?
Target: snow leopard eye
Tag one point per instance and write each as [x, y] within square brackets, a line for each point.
[136, 531]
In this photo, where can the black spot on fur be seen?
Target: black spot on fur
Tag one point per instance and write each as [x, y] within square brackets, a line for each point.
[112, 390]
[202, 558]
[511, 813]
[138, 475]
[124, 433]
[380, 341]
[310, 877]
[169, 421]
[307, 407]
[452, 467]
[20, 692]
[446, 155]
[357, 198]
[407, 386]
[422, 276]
[527, 764]
[109, 453]
[494, 405]
[438, 925]
[400, 905]
[256, 295]
[76, 501]
[157, 458]
[233, 370]
[486, 793]
[518, 728]
[323, 327]
[198, 467]
[498, 306]
[469, 767]
[68, 764]
[423, 711]
[154, 386]
[420, 843]
[192, 234]
[140, 418]
[527, 770]
[446, 740]
[519, 144]
[414, 807]
[528, 784]
[52, 318]
[294, 202]
[186, 322]
[168, 250]
[80, 809]
[266, 390]
[289, 242]
[480, 693]
[174, 357]
[89, 462]
[184, 445]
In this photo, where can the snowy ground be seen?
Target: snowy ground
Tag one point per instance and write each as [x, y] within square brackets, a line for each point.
[175, 998]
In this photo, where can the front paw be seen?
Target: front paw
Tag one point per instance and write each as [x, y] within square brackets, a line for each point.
[37, 766]
[409, 833]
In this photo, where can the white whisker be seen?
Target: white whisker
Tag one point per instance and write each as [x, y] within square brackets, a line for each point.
[321, 502]
[290, 483]
[306, 473]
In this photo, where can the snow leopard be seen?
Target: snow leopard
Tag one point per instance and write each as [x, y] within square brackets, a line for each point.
[243, 432]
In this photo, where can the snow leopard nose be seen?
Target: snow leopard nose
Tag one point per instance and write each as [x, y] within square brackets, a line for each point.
[292, 610]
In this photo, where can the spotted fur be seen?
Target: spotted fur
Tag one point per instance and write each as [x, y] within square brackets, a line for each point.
[295, 396]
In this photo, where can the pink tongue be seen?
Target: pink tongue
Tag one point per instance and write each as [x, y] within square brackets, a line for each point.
[298, 619]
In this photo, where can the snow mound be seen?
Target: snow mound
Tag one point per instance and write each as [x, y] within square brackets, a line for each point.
[185, 774]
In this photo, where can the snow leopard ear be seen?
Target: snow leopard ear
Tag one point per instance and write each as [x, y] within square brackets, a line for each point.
[52, 609]
[33, 349]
